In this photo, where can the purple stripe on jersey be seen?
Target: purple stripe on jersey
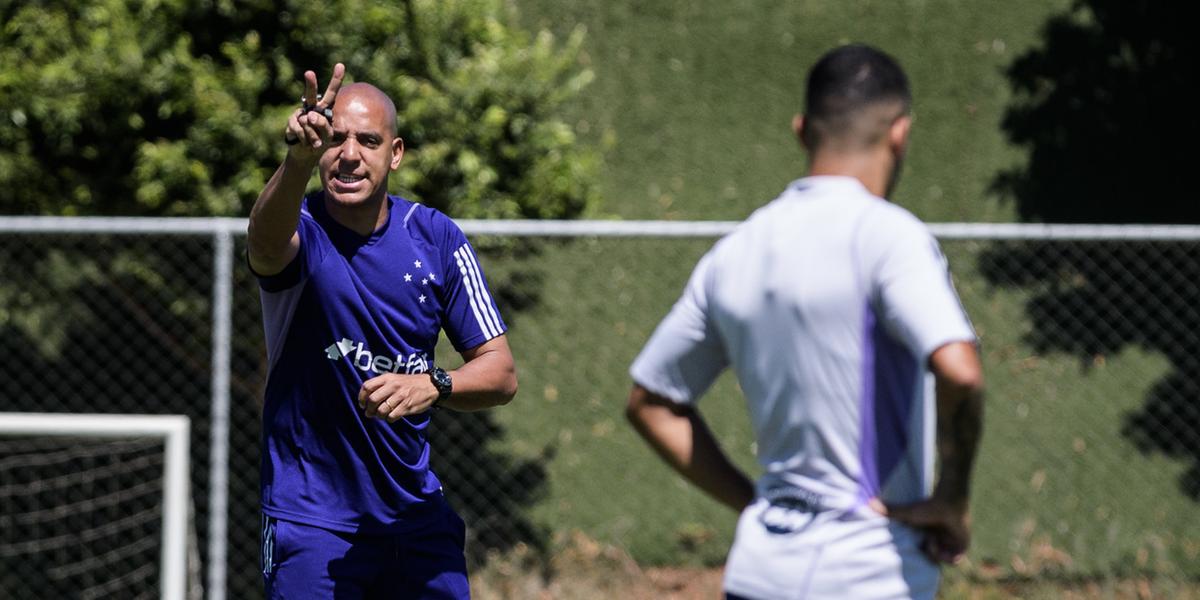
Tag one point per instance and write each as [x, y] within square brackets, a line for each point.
[888, 393]
[868, 442]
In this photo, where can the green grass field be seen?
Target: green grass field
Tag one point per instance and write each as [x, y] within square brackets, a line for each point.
[1058, 492]
[692, 102]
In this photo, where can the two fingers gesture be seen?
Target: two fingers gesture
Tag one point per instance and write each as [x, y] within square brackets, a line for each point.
[311, 125]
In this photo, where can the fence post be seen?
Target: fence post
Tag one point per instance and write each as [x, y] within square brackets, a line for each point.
[218, 496]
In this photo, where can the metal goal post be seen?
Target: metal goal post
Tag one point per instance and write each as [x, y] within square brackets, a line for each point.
[175, 432]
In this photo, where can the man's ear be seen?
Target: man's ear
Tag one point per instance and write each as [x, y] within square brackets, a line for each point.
[798, 129]
[397, 151]
[898, 133]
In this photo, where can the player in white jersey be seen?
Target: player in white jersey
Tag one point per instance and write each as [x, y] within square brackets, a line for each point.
[835, 310]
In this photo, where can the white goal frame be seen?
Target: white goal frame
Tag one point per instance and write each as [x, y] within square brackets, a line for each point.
[175, 431]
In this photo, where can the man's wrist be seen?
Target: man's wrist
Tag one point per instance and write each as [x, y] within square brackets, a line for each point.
[952, 497]
[442, 382]
[299, 159]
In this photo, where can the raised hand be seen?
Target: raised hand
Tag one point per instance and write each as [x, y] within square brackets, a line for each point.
[311, 125]
[946, 526]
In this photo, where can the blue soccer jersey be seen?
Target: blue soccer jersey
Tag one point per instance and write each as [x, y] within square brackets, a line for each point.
[347, 309]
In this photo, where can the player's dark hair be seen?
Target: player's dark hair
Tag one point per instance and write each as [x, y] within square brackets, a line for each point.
[846, 81]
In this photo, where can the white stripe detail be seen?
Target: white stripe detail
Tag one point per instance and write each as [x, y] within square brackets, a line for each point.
[407, 215]
[469, 284]
[489, 307]
[267, 551]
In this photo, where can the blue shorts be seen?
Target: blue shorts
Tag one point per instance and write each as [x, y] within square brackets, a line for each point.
[301, 561]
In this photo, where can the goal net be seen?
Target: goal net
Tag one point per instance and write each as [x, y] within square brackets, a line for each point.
[94, 506]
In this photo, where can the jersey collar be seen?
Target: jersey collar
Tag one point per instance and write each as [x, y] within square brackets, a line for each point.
[824, 183]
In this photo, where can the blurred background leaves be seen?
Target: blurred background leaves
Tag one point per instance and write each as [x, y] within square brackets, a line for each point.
[176, 108]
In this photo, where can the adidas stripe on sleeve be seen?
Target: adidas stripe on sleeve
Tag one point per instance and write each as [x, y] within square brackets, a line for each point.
[470, 314]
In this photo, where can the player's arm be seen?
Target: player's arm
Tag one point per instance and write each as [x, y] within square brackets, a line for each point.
[920, 304]
[945, 516]
[680, 361]
[681, 437]
[959, 378]
[487, 378]
[272, 241]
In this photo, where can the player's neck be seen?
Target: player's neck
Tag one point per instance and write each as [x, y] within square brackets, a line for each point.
[871, 168]
[363, 218]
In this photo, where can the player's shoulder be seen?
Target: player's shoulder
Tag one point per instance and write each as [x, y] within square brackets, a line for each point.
[424, 222]
[314, 219]
[884, 220]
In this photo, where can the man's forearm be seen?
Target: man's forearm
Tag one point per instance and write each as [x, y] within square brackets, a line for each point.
[959, 386]
[481, 385]
[272, 241]
[959, 428]
[276, 213]
[486, 379]
[684, 441]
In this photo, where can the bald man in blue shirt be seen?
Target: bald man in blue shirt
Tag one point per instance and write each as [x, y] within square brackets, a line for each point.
[356, 286]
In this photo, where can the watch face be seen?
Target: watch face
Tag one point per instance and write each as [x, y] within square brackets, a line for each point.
[441, 379]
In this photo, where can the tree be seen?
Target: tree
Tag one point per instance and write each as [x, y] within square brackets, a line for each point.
[116, 107]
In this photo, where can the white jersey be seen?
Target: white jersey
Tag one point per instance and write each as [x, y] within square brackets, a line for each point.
[827, 303]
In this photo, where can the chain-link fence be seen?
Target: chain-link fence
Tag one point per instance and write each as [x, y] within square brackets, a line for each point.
[1090, 466]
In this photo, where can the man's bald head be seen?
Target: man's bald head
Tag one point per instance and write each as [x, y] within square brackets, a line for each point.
[854, 95]
[371, 98]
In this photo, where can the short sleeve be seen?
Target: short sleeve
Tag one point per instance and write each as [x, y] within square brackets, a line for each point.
[685, 354]
[311, 253]
[914, 292]
[470, 316]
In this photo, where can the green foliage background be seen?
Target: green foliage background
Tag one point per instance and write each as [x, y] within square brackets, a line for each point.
[176, 108]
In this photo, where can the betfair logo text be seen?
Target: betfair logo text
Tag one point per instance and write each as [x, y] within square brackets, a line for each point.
[366, 361]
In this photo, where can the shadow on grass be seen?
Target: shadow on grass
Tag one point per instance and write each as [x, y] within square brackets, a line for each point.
[492, 491]
[1102, 110]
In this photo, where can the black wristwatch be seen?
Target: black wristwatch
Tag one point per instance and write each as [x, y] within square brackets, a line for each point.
[441, 380]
